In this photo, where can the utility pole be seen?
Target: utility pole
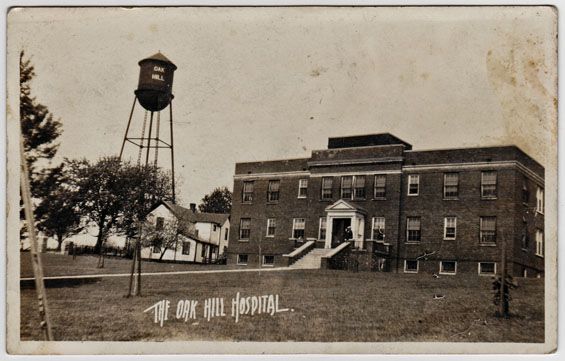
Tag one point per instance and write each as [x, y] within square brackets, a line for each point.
[45, 325]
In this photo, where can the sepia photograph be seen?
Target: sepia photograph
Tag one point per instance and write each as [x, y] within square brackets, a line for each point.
[281, 180]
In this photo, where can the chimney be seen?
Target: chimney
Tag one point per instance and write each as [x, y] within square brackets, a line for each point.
[193, 207]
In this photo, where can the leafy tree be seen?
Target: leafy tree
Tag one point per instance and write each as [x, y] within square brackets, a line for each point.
[165, 237]
[115, 195]
[57, 212]
[219, 201]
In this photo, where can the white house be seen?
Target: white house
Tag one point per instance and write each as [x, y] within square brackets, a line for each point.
[202, 238]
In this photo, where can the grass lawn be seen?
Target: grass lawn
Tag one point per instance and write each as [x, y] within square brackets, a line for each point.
[61, 265]
[326, 306]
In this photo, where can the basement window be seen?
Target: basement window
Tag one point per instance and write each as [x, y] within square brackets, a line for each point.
[242, 259]
[448, 267]
[268, 261]
[410, 266]
[487, 268]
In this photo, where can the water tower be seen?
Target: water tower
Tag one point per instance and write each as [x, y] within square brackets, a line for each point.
[154, 93]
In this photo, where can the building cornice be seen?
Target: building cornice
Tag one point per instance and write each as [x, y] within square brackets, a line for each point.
[406, 168]
[474, 165]
[325, 163]
[272, 175]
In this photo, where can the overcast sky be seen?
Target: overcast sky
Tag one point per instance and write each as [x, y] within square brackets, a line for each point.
[271, 83]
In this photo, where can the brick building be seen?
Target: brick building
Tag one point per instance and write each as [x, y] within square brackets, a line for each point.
[374, 200]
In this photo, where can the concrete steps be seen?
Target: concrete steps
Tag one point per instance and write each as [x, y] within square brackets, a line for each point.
[311, 260]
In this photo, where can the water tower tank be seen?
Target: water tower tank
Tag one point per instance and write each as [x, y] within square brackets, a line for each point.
[154, 90]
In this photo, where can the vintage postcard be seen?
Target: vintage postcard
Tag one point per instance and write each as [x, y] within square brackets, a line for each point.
[282, 180]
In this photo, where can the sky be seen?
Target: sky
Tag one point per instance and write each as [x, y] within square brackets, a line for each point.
[272, 83]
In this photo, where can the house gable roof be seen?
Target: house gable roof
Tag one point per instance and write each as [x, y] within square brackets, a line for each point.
[194, 217]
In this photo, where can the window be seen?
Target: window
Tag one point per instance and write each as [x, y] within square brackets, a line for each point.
[327, 185]
[410, 266]
[203, 252]
[215, 228]
[271, 227]
[346, 186]
[525, 191]
[525, 241]
[322, 231]
[242, 259]
[539, 242]
[156, 249]
[273, 191]
[488, 184]
[448, 267]
[413, 184]
[449, 228]
[159, 224]
[380, 186]
[359, 187]
[539, 200]
[244, 230]
[488, 230]
[413, 229]
[451, 185]
[487, 268]
[378, 230]
[353, 187]
[268, 261]
[298, 228]
[185, 247]
[247, 192]
[226, 235]
[302, 188]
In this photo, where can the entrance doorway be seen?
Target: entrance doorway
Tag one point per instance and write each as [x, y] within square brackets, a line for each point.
[340, 231]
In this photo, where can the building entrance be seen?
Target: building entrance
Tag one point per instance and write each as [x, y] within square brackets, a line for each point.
[341, 231]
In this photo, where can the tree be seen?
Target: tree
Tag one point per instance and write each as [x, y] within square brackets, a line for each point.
[39, 129]
[57, 212]
[164, 236]
[116, 195]
[219, 201]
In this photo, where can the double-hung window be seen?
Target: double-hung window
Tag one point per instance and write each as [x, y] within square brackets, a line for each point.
[322, 230]
[327, 188]
[449, 228]
[451, 185]
[525, 191]
[488, 230]
[380, 186]
[539, 242]
[413, 229]
[539, 200]
[413, 184]
[271, 227]
[247, 195]
[378, 229]
[244, 228]
[303, 188]
[488, 184]
[346, 187]
[273, 191]
[298, 225]
[359, 187]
